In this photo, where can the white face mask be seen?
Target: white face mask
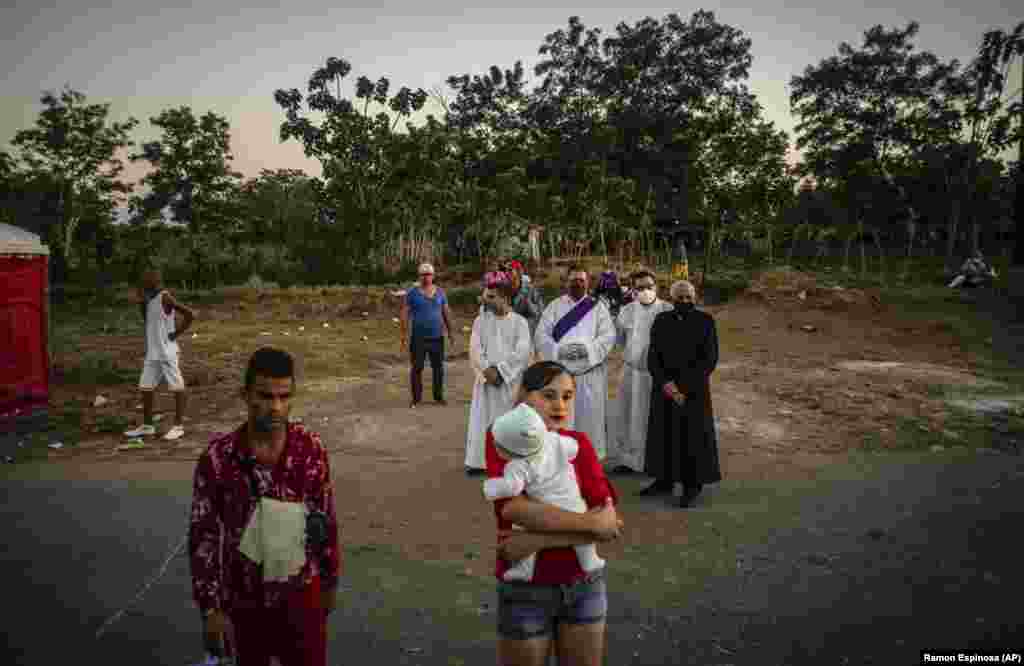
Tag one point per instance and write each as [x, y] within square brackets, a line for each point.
[646, 296]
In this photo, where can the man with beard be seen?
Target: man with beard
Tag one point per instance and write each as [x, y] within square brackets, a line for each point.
[499, 351]
[682, 444]
[263, 537]
[577, 331]
[628, 414]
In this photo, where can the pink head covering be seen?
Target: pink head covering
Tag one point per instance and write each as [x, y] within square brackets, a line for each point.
[493, 278]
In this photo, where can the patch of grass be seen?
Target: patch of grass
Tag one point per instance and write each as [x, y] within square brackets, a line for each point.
[115, 423]
[442, 590]
[736, 514]
[72, 322]
[973, 327]
[97, 369]
[962, 429]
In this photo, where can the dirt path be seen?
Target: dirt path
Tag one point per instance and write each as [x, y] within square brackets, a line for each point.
[788, 402]
[864, 564]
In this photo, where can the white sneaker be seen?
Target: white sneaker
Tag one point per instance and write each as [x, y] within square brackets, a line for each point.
[141, 431]
[177, 432]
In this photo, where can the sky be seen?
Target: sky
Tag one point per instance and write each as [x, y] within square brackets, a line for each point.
[225, 56]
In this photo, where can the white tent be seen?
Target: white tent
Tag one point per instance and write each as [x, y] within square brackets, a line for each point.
[17, 241]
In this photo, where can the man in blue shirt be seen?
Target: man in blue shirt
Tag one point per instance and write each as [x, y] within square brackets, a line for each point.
[427, 307]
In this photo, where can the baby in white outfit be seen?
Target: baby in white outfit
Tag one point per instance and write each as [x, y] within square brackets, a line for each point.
[539, 462]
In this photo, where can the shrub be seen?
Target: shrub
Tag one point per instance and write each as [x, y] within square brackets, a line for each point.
[256, 282]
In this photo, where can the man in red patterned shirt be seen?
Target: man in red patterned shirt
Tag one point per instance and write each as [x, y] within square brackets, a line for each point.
[265, 460]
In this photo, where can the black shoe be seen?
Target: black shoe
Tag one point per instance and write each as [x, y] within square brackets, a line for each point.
[442, 402]
[622, 469]
[688, 497]
[656, 488]
[473, 471]
[412, 405]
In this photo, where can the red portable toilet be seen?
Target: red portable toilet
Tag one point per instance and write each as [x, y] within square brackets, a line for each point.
[24, 323]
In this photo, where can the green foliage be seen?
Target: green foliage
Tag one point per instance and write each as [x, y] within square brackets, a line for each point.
[720, 288]
[651, 124]
[99, 370]
[353, 148]
[191, 172]
[463, 296]
[898, 133]
[67, 165]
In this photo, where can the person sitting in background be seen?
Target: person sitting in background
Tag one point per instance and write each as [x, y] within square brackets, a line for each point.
[975, 272]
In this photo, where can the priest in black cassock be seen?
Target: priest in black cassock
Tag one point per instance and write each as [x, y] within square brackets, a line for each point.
[682, 443]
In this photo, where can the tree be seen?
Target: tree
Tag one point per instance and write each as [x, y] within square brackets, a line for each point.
[71, 155]
[277, 207]
[976, 124]
[998, 50]
[491, 139]
[191, 168]
[351, 147]
[744, 168]
[671, 87]
[873, 106]
[191, 175]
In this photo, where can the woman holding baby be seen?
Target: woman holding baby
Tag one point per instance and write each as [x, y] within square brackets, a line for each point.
[557, 607]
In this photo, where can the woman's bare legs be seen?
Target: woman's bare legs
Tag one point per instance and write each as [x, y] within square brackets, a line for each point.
[530, 652]
[581, 644]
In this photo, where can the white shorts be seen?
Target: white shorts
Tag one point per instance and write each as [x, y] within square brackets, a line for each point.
[155, 371]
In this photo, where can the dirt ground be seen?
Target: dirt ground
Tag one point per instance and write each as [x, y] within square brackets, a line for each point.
[806, 374]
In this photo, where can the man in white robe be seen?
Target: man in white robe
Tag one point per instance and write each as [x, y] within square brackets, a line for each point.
[499, 352]
[577, 331]
[629, 412]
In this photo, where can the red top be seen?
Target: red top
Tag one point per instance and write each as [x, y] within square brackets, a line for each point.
[556, 566]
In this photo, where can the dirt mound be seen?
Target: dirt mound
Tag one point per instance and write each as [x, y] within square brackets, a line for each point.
[782, 286]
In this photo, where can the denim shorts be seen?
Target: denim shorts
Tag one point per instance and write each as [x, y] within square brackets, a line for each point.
[531, 611]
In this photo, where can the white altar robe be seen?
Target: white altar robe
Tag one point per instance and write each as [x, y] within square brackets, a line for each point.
[502, 342]
[596, 332]
[629, 412]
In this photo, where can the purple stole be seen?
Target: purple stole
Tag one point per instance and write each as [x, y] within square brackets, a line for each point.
[573, 317]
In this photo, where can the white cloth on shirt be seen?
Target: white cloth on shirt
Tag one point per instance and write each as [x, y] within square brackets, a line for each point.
[276, 538]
